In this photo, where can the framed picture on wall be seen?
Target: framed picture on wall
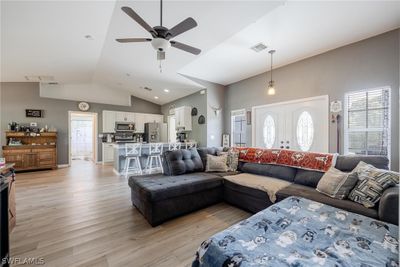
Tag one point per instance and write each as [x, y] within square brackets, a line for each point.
[225, 140]
[33, 113]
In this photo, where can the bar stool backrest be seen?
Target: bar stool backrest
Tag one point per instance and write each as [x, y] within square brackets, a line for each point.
[133, 149]
[174, 146]
[191, 145]
[155, 148]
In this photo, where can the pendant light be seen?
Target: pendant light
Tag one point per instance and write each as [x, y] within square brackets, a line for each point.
[271, 84]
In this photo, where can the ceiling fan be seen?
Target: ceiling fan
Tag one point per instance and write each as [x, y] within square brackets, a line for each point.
[162, 36]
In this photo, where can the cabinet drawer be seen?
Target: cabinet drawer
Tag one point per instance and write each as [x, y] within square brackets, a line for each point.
[40, 150]
[15, 151]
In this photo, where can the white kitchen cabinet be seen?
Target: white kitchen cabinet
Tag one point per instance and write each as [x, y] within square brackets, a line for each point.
[108, 121]
[154, 118]
[108, 152]
[183, 118]
[130, 116]
[140, 119]
[124, 116]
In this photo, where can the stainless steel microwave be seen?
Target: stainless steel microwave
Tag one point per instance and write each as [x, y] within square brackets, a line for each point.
[124, 126]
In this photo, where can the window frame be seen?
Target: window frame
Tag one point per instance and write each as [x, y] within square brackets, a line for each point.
[346, 130]
[235, 113]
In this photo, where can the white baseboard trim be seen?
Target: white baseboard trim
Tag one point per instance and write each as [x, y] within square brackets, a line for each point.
[63, 165]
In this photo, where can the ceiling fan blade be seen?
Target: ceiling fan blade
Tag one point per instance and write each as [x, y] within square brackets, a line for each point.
[132, 40]
[181, 27]
[185, 47]
[129, 11]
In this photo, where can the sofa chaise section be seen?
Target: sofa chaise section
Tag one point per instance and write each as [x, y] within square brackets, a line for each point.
[160, 198]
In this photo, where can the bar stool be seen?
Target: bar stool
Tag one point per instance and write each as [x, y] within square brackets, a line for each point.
[133, 151]
[155, 151]
[174, 146]
[191, 145]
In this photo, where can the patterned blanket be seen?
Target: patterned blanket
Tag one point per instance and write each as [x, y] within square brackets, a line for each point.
[298, 159]
[301, 232]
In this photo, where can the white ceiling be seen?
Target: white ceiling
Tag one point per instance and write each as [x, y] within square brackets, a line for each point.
[296, 30]
[47, 38]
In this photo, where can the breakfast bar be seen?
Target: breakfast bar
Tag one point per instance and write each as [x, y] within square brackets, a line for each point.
[120, 155]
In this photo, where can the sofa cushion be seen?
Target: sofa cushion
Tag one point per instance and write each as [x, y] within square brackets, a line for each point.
[160, 187]
[276, 171]
[311, 193]
[269, 185]
[308, 178]
[347, 163]
[337, 184]
[182, 161]
[372, 183]
[204, 151]
[216, 163]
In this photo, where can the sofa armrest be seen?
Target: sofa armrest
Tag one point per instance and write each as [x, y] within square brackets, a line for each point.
[389, 206]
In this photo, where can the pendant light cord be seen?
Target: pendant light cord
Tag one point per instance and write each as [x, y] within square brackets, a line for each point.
[271, 64]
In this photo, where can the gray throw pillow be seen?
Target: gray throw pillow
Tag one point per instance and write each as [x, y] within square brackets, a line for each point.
[372, 184]
[337, 184]
[216, 163]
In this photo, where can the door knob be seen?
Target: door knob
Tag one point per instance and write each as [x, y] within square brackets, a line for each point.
[287, 147]
[282, 147]
[287, 142]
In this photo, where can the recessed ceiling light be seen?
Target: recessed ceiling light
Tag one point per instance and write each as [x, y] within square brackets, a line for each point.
[166, 90]
[89, 37]
[156, 97]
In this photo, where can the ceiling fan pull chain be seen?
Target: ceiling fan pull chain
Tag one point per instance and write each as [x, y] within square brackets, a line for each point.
[160, 66]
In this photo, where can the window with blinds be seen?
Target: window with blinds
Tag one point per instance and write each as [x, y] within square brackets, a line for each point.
[367, 122]
[238, 128]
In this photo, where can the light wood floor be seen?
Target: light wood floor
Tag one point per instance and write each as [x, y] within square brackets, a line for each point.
[82, 216]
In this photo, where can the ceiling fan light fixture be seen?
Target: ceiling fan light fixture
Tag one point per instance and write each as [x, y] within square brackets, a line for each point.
[160, 44]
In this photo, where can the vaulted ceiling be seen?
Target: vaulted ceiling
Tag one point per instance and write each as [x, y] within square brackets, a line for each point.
[47, 38]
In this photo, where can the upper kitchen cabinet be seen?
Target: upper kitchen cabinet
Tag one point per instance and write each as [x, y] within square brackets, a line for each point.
[183, 118]
[109, 121]
[124, 116]
[154, 118]
[140, 119]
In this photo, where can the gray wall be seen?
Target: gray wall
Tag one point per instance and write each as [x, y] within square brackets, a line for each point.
[199, 101]
[366, 64]
[16, 97]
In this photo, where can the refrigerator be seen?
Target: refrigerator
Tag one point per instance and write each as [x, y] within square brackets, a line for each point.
[155, 132]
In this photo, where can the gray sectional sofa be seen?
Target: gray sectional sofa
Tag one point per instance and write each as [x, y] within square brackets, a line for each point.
[185, 187]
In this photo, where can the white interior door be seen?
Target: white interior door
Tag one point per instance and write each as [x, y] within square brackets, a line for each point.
[299, 125]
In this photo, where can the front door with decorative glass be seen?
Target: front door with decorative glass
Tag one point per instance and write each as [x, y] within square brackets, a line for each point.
[301, 124]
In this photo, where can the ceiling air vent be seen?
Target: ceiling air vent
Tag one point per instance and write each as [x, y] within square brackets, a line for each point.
[259, 47]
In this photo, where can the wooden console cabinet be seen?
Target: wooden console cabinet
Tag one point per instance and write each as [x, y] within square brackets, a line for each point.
[7, 211]
[36, 152]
